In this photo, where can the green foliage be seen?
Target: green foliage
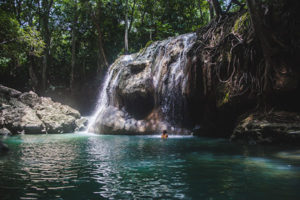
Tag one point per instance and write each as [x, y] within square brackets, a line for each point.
[4, 62]
[30, 28]
[17, 43]
[9, 38]
[148, 43]
[33, 41]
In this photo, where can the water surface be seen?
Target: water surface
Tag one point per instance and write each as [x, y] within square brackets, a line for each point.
[88, 166]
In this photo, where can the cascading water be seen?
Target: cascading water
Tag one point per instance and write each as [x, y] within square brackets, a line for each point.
[103, 100]
[145, 92]
[171, 93]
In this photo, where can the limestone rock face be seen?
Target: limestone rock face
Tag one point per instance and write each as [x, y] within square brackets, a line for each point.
[145, 92]
[22, 119]
[57, 118]
[135, 90]
[201, 82]
[276, 127]
[30, 114]
[30, 98]
[115, 121]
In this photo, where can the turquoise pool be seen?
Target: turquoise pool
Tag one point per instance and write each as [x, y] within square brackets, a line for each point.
[89, 166]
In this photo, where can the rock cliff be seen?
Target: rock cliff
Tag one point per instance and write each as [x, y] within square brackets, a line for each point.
[146, 92]
[204, 83]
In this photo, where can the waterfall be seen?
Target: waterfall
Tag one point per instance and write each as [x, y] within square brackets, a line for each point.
[171, 93]
[145, 92]
[110, 78]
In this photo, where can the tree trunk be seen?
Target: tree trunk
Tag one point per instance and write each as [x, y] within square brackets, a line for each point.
[44, 68]
[217, 7]
[264, 38]
[200, 9]
[126, 29]
[143, 18]
[131, 16]
[211, 10]
[96, 21]
[47, 38]
[101, 49]
[33, 79]
[73, 62]
[83, 75]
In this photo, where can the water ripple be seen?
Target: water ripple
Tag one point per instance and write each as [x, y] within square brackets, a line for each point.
[122, 167]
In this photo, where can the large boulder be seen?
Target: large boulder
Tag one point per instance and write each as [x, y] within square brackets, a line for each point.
[116, 121]
[30, 114]
[9, 92]
[57, 118]
[145, 92]
[22, 119]
[30, 98]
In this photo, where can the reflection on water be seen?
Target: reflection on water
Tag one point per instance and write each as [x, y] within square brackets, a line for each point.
[125, 171]
[293, 155]
[88, 166]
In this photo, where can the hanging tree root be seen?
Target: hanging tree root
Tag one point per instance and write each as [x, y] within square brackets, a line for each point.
[241, 62]
[226, 50]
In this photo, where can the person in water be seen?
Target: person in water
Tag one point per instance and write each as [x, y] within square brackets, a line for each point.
[164, 134]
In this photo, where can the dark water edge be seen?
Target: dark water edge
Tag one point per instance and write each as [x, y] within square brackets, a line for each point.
[89, 166]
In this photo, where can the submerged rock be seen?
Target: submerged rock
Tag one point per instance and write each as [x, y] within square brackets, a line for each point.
[275, 127]
[30, 114]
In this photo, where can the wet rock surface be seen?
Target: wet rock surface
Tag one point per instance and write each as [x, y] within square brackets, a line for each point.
[278, 127]
[135, 90]
[143, 93]
[30, 114]
[81, 124]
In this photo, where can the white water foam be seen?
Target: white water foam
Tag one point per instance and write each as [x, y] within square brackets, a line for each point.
[103, 100]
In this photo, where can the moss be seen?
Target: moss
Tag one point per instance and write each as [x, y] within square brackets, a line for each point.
[224, 97]
[242, 23]
[148, 43]
[146, 46]
[141, 50]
